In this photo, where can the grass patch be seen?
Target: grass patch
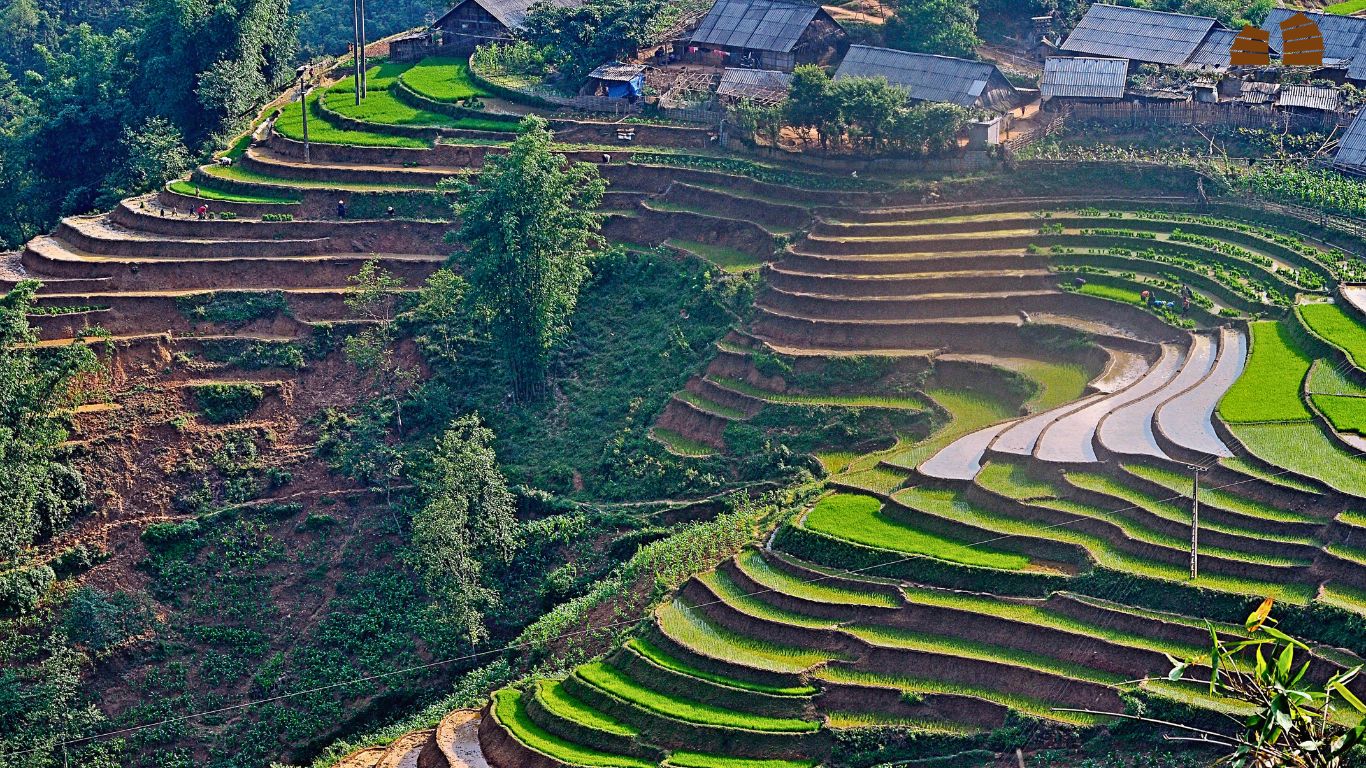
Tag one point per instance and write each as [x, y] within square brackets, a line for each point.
[1039, 616]
[1059, 383]
[1346, 414]
[747, 603]
[1346, 8]
[664, 659]
[915, 685]
[944, 504]
[882, 720]
[227, 403]
[1325, 379]
[711, 406]
[321, 129]
[728, 259]
[685, 626]
[757, 568]
[1245, 467]
[1169, 509]
[253, 176]
[1013, 481]
[1346, 598]
[683, 446]
[559, 702]
[701, 760]
[508, 709]
[842, 401]
[1305, 450]
[1340, 329]
[1269, 389]
[879, 479]
[1219, 498]
[957, 647]
[617, 683]
[862, 520]
[442, 78]
[1112, 292]
[1139, 531]
[383, 108]
[190, 189]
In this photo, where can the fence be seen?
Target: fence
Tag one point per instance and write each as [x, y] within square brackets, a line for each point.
[1037, 133]
[1233, 114]
[599, 104]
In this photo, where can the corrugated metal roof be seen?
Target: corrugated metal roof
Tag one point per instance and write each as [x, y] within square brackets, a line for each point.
[1357, 69]
[616, 71]
[1214, 50]
[760, 25]
[1084, 77]
[1260, 93]
[1139, 34]
[1352, 148]
[1310, 97]
[1342, 35]
[763, 85]
[925, 76]
[509, 13]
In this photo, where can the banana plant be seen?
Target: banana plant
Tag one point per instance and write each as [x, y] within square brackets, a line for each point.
[1295, 723]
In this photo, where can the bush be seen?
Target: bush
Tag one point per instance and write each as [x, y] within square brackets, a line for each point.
[227, 403]
[277, 217]
[22, 588]
[100, 622]
[233, 307]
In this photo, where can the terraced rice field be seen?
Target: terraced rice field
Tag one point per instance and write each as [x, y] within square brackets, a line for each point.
[940, 601]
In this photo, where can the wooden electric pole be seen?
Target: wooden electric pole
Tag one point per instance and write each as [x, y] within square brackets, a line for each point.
[1195, 522]
[356, 46]
[364, 74]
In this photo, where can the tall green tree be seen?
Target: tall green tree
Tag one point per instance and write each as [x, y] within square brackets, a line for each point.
[38, 492]
[467, 524]
[530, 229]
[945, 27]
[584, 36]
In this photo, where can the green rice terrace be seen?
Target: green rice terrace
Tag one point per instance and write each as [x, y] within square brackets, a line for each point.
[1000, 396]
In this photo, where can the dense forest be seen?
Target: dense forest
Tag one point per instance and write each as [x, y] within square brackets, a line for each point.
[101, 99]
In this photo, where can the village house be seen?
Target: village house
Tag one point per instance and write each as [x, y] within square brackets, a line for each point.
[1351, 154]
[469, 24]
[1344, 39]
[766, 34]
[1150, 37]
[1083, 79]
[974, 84]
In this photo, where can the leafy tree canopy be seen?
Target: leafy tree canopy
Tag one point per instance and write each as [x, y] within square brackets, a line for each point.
[530, 230]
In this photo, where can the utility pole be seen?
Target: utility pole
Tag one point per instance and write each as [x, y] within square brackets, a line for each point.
[304, 72]
[355, 46]
[364, 73]
[1195, 521]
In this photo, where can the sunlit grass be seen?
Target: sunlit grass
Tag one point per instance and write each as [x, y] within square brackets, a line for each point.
[847, 401]
[191, 189]
[511, 714]
[1338, 327]
[614, 681]
[746, 602]
[1179, 483]
[561, 703]
[685, 626]
[728, 259]
[862, 520]
[663, 658]
[1304, 449]
[1269, 389]
[442, 78]
[757, 568]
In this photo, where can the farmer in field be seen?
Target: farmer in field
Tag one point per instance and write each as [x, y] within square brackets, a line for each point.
[341, 209]
[1147, 298]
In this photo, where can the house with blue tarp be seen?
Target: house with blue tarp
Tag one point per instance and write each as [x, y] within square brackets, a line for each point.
[616, 81]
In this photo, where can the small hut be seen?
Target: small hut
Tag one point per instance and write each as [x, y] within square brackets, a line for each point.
[761, 86]
[615, 80]
[928, 77]
[1311, 98]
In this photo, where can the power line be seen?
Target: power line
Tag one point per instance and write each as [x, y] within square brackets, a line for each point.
[597, 628]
